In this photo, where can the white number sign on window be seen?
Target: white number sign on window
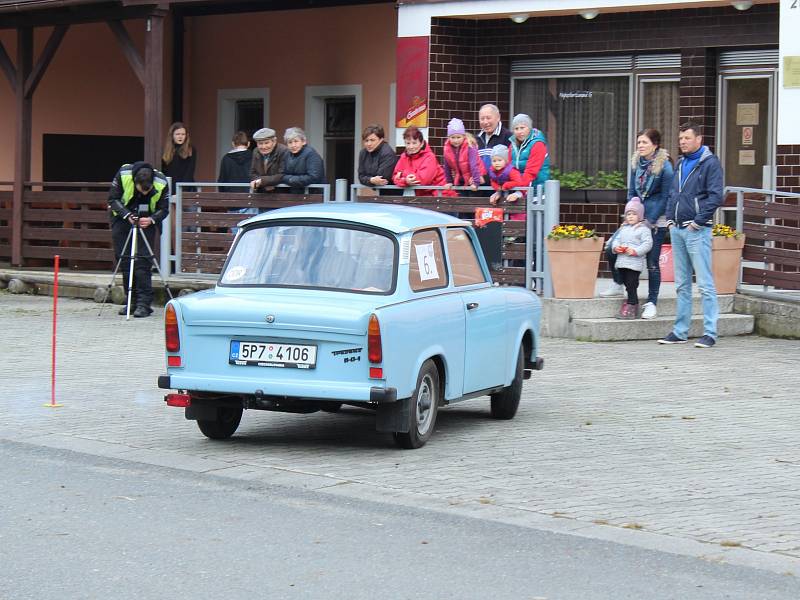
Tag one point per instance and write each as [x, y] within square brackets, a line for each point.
[426, 261]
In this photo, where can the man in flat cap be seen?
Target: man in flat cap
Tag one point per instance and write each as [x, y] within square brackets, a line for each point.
[266, 170]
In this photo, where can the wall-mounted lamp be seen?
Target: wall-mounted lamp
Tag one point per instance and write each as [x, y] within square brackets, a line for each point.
[589, 14]
[742, 4]
[520, 18]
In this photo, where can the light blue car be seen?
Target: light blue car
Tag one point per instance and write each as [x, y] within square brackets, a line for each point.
[385, 307]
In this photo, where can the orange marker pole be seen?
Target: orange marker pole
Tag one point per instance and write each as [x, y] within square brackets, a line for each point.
[55, 320]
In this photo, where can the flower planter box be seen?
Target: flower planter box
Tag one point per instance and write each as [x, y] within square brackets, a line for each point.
[573, 266]
[726, 258]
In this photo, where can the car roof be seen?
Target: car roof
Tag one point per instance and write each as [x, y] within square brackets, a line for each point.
[392, 217]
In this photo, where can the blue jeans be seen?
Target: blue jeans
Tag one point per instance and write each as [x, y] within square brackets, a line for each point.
[653, 265]
[691, 250]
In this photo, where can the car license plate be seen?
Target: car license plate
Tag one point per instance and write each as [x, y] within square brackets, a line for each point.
[273, 354]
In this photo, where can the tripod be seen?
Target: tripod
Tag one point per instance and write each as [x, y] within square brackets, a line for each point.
[132, 240]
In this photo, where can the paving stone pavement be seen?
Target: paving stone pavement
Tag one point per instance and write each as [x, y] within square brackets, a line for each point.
[667, 447]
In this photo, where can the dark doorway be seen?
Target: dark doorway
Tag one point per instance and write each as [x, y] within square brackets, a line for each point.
[68, 157]
[340, 123]
[249, 116]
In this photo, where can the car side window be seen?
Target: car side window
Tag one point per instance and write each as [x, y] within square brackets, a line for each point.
[427, 269]
[463, 260]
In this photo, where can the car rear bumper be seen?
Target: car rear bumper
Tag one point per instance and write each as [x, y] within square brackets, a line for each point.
[327, 391]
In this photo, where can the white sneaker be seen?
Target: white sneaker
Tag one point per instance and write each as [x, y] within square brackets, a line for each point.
[649, 311]
[615, 289]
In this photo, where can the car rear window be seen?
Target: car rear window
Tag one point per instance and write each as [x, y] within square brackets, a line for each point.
[312, 256]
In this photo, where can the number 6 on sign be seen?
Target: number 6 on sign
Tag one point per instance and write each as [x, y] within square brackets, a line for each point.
[426, 261]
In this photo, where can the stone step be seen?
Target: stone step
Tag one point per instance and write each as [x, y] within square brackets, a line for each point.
[598, 308]
[559, 315]
[613, 330]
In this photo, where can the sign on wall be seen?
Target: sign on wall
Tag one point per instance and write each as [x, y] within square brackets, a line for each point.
[412, 81]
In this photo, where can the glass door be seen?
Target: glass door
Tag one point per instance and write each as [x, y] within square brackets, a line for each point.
[747, 129]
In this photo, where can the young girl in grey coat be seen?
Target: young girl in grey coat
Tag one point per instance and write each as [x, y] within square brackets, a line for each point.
[631, 244]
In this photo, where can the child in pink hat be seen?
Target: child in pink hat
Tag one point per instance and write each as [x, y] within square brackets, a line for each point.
[630, 244]
[462, 165]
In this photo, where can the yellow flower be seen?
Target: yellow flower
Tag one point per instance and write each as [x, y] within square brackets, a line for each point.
[576, 232]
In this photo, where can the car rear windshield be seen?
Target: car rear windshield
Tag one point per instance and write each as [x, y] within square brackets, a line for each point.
[312, 256]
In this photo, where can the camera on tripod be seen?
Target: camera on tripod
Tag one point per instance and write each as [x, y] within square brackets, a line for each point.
[143, 210]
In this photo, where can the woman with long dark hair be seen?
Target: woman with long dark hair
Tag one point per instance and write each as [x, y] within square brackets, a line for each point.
[179, 157]
[651, 178]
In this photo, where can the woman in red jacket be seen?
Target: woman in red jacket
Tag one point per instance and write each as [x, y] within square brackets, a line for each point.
[418, 165]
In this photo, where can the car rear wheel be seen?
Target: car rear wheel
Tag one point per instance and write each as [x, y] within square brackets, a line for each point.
[224, 426]
[506, 402]
[424, 406]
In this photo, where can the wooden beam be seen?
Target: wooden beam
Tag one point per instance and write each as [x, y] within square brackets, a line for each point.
[153, 88]
[8, 67]
[128, 49]
[74, 16]
[44, 60]
[178, 30]
[22, 140]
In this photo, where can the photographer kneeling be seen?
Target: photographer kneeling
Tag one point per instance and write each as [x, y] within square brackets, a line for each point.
[139, 201]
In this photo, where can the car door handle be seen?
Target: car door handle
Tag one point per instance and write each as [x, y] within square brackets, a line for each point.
[471, 305]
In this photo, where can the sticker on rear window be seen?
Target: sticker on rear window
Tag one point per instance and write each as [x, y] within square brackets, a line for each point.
[235, 273]
[426, 261]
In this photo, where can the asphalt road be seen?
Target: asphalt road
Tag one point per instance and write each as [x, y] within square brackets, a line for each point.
[75, 526]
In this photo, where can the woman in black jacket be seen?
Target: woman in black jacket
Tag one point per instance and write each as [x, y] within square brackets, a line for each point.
[303, 165]
[179, 157]
[377, 160]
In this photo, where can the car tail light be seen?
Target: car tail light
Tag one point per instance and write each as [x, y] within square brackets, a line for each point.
[376, 373]
[171, 329]
[174, 361]
[179, 400]
[374, 350]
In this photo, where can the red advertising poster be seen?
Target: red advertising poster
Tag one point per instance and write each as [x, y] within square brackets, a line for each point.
[412, 81]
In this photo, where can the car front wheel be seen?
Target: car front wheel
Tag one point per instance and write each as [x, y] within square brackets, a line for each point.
[506, 401]
[424, 406]
[224, 426]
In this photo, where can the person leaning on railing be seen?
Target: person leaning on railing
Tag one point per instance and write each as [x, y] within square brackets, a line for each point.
[377, 159]
[304, 165]
[418, 166]
[269, 161]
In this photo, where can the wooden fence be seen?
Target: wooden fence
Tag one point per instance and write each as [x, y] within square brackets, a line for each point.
[773, 238]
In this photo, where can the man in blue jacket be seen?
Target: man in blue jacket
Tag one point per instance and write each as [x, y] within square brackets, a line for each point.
[696, 193]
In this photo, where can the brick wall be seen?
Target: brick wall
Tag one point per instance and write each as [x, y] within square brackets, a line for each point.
[788, 163]
[470, 65]
[698, 90]
[482, 51]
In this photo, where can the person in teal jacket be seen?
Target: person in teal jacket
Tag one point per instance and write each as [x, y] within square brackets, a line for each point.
[528, 152]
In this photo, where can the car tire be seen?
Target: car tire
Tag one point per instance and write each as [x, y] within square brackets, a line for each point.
[330, 407]
[224, 426]
[506, 401]
[423, 409]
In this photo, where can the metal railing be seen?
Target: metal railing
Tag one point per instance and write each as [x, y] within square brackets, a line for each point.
[172, 256]
[542, 210]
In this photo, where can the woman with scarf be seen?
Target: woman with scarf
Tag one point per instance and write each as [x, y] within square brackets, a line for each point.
[651, 179]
